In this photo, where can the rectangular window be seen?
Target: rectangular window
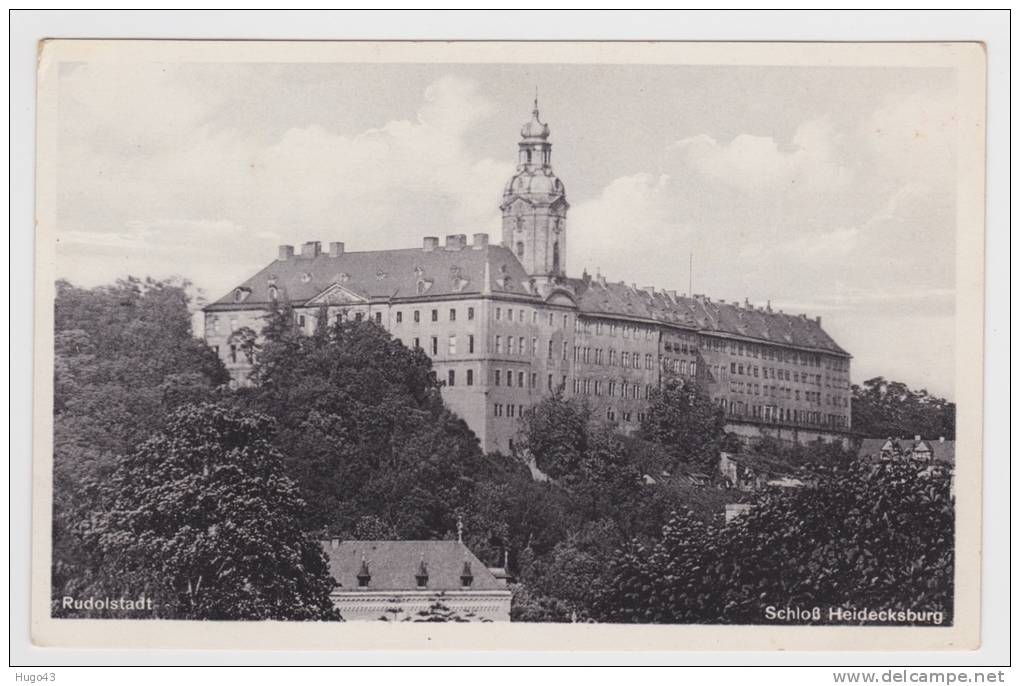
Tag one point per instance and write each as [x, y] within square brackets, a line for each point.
[400, 317]
[499, 344]
[358, 316]
[564, 351]
[417, 343]
[452, 347]
[534, 347]
[471, 343]
[417, 316]
[520, 379]
[378, 318]
[233, 353]
[451, 378]
[435, 315]
[301, 321]
[497, 376]
[471, 377]
[435, 346]
[509, 345]
[471, 313]
[549, 382]
[563, 382]
[510, 410]
[510, 314]
[509, 378]
[499, 312]
[550, 348]
[521, 350]
[497, 410]
[520, 316]
[453, 314]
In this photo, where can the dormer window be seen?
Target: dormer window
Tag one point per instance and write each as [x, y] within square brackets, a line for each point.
[241, 294]
[520, 248]
[422, 575]
[364, 576]
[274, 293]
[466, 577]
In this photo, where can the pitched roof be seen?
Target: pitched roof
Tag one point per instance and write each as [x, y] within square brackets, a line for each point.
[394, 564]
[598, 296]
[476, 269]
[385, 274]
[941, 451]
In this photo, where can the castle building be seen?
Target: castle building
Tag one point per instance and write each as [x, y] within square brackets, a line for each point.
[505, 325]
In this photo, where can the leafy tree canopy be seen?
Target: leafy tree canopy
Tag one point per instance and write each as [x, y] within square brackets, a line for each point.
[203, 521]
[890, 409]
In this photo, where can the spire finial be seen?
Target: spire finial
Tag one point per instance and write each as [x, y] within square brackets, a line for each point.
[460, 530]
[536, 101]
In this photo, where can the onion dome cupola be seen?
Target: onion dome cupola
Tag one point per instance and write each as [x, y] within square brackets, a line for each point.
[535, 204]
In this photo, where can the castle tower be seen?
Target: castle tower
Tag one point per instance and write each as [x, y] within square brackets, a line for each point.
[535, 205]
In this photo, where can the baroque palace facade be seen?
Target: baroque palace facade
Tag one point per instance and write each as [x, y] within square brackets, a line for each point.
[504, 325]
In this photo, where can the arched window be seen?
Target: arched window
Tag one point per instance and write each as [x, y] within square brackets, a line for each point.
[556, 256]
[520, 248]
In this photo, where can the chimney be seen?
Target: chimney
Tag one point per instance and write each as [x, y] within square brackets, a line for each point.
[818, 320]
[286, 252]
[479, 240]
[336, 249]
[311, 249]
[430, 243]
[585, 276]
[456, 241]
[916, 438]
[671, 294]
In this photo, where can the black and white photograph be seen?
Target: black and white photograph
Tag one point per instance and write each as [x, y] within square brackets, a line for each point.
[358, 339]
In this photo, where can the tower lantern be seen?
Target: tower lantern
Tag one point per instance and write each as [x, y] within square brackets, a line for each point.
[535, 205]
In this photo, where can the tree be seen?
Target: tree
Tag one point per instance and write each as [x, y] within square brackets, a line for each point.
[682, 418]
[555, 433]
[364, 428]
[861, 535]
[202, 520]
[124, 357]
[883, 409]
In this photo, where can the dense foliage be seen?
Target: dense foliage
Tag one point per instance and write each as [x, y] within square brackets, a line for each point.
[365, 432]
[861, 536]
[890, 409]
[124, 358]
[683, 420]
[202, 520]
[169, 482]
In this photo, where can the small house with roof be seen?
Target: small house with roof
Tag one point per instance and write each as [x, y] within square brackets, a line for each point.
[396, 580]
[933, 451]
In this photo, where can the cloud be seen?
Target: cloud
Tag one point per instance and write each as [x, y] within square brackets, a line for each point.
[757, 165]
[219, 192]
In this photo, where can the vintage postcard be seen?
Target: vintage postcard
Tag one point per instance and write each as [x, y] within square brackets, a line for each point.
[540, 346]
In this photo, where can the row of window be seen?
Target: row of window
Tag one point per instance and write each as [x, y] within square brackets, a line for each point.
[434, 315]
[507, 315]
[772, 413]
[507, 410]
[626, 359]
[611, 389]
[625, 415]
[599, 328]
[775, 373]
[451, 344]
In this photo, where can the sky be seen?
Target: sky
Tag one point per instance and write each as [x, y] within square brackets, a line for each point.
[828, 191]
